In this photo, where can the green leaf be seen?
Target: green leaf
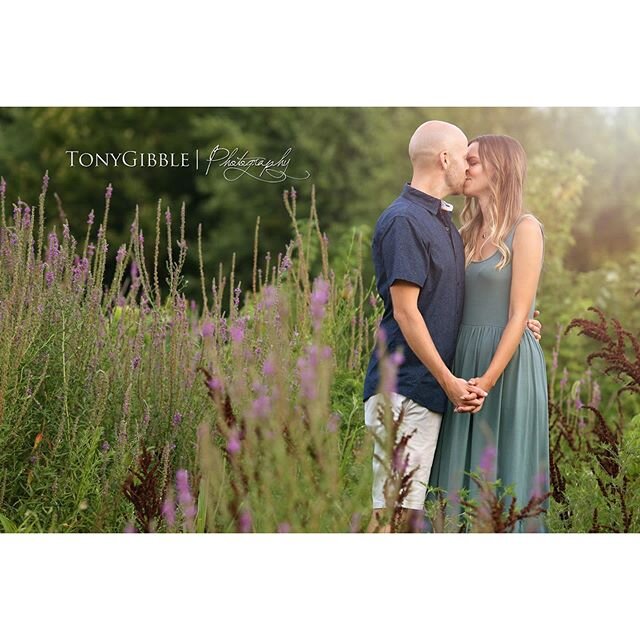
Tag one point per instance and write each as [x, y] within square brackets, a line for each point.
[8, 525]
[201, 517]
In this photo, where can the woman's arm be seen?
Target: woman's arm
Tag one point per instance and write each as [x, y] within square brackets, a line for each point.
[525, 274]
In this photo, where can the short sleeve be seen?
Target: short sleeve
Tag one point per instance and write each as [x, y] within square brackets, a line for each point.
[403, 253]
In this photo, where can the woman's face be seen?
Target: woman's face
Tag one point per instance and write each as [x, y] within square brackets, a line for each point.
[477, 181]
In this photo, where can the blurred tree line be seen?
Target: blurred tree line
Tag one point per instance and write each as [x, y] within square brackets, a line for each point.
[357, 158]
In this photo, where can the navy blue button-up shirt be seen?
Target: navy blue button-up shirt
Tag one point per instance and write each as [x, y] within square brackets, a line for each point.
[416, 241]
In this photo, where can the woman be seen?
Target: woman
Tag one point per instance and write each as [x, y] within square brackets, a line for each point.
[508, 437]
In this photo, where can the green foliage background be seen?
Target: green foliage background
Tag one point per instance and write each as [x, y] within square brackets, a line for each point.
[582, 184]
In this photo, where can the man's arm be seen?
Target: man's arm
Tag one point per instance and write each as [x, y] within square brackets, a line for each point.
[404, 298]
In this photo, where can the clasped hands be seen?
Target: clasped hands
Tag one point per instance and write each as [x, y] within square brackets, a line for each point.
[466, 396]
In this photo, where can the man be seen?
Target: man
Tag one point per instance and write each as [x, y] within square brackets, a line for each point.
[419, 263]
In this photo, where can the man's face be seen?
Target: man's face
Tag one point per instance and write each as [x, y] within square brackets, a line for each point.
[455, 176]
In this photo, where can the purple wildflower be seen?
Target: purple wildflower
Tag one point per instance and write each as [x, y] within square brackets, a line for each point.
[135, 362]
[26, 220]
[269, 367]
[389, 371]
[554, 363]
[244, 521]
[177, 418]
[66, 234]
[141, 238]
[285, 265]
[3, 187]
[45, 181]
[270, 296]
[284, 527]
[539, 484]
[80, 269]
[134, 271]
[122, 252]
[488, 460]
[207, 329]
[48, 277]
[53, 250]
[91, 249]
[91, 218]
[185, 499]
[108, 192]
[294, 194]
[105, 446]
[130, 528]
[233, 443]
[167, 217]
[261, 407]
[237, 331]
[565, 378]
[307, 372]
[333, 423]
[373, 301]
[214, 383]
[169, 511]
[236, 296]
[319, 299]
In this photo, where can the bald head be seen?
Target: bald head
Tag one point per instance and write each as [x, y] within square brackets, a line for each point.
[431, 139]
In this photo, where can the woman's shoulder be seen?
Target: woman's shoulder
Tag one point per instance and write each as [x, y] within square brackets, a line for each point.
[528, 225]
[528, 236]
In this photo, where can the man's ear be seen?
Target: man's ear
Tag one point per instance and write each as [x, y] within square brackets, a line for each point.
[444, 160]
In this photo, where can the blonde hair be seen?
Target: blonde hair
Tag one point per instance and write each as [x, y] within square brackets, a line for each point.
[508, 160]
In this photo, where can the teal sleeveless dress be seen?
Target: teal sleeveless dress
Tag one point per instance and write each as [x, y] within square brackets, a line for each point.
[509, 436]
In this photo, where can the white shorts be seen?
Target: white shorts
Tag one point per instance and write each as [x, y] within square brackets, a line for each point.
[421, 447]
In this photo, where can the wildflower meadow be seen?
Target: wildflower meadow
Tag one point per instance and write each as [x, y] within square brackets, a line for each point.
[126, 406]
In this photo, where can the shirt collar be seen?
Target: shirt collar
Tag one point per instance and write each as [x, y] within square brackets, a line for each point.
[430, 203]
